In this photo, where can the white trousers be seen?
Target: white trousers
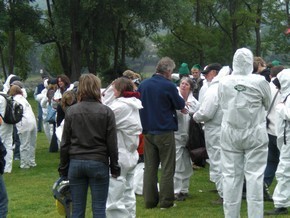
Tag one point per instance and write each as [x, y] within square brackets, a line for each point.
[213, 148]
[27, 148]
[6, 133]
[121, 200]
[183, 166]
[244, 154]
[281, 196]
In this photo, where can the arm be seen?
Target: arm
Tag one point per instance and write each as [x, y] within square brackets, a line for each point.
[112, 144]
[208, 107]
[64, 148]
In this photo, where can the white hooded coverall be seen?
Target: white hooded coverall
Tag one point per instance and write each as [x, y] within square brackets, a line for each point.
[183, 167]
[6, 131]
[121, 197]
[43, 100]
[243, 97]
[27, 131]
[281, 196]
[211, 114]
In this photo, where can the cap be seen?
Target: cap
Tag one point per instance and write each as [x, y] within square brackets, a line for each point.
[14, 78]
[196, 66]
[17, 83]
[183, 70]
[52, 81]
[276, 63]
[214, 66]
[44, 76]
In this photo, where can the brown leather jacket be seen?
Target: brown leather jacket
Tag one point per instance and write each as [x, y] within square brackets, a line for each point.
[89, 133]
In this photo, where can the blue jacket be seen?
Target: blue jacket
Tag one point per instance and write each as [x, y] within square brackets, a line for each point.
[160, 100]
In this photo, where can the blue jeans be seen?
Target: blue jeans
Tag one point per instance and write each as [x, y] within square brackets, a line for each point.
[273, 160]
[88, 173]
[39, 116]
[3, 199]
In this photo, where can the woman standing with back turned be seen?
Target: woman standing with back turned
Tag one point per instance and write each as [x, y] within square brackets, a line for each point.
[89, 148]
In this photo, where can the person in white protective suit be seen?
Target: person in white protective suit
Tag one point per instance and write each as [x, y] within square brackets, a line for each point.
[108, 93]
[183, 166]
[6, 130]
[121, 200]
[211, 114]
[10, 79]
[281, 196]
[27, 130]
[244, 97]
[43, 100]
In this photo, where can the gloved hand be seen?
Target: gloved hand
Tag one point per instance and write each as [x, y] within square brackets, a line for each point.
[115, 170]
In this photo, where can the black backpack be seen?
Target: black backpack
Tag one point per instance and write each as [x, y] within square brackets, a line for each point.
[13, 110]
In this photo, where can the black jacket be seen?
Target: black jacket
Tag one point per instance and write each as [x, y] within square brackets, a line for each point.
[89, 133]
[2, 155]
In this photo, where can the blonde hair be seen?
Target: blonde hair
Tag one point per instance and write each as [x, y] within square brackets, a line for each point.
[89, 87]
[68, 98]
[123, 84]
[15, 90]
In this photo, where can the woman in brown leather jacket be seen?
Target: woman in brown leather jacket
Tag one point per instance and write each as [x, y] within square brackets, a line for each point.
[89, 148]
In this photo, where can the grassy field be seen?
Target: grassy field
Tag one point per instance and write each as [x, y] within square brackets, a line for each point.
[30, 194]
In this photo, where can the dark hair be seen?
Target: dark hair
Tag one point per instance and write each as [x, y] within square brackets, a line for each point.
[275, 70]
[123, 84]
[89, 87]
[65, 80]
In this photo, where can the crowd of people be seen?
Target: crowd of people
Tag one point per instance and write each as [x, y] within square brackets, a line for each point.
[100, 134]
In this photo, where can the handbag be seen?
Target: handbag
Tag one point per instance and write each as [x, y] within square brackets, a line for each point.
[196, 143]
[51, 114]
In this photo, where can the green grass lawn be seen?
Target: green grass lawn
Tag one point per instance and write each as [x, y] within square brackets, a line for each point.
[30, 192]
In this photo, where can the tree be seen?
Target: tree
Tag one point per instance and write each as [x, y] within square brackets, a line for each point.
[19, 19]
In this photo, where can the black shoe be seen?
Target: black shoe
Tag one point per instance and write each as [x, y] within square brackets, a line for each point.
[244, 195]
[179, 197]
[277, 211]
[267, 195]
[219, 201]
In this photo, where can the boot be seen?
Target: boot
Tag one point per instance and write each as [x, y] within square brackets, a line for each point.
[277, 211]
[267, 195]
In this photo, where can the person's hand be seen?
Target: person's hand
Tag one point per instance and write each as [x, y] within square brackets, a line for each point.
[184, 111]
[115, 170]
[1, 121]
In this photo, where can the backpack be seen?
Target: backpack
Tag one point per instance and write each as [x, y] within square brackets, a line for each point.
[13, 110]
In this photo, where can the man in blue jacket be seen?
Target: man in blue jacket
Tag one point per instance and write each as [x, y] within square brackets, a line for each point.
[160, 100]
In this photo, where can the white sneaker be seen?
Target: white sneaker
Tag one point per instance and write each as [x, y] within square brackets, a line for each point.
[165, 208]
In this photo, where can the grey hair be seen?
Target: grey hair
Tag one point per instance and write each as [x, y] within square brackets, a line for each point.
[164, 65]
[189, 81]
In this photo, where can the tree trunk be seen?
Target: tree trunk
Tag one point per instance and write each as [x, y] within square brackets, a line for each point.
[11, 50]
[123, 44]
[233, 8]
[75, 41]
[258, 28]
[3, 64]
[116, 50]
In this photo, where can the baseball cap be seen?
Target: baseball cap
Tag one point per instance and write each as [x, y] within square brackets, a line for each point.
[214, 66]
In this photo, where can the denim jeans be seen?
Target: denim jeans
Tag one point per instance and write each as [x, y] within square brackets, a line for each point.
[3, 199]
[273, 160]
[88, 173]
